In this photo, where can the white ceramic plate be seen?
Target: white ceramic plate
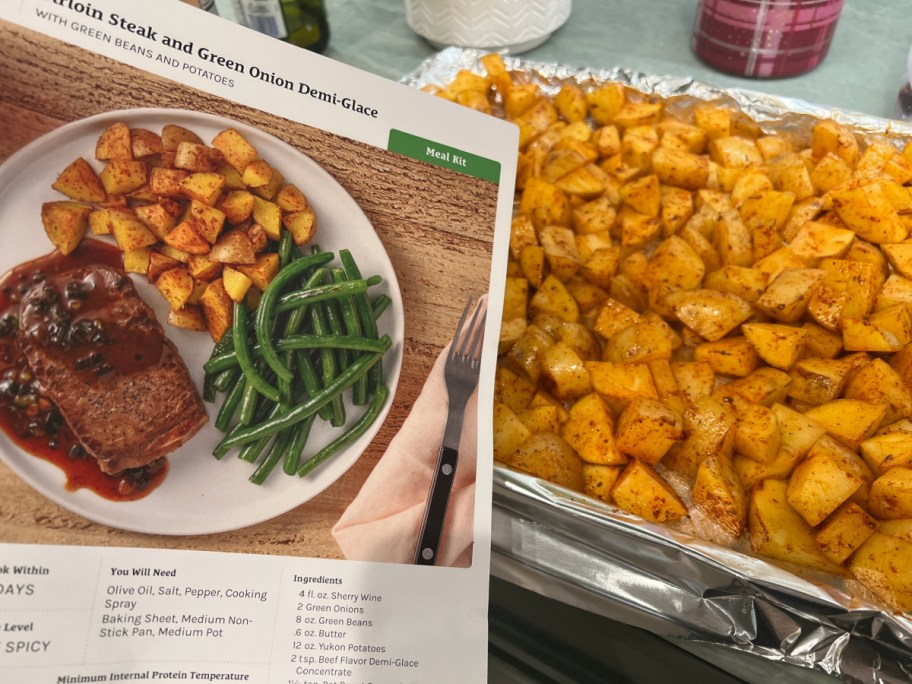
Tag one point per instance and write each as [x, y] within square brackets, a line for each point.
[200, 495]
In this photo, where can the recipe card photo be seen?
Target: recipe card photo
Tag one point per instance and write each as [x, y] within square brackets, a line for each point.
[246, 357]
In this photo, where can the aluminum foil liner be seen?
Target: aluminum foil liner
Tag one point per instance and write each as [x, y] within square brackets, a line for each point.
[577, 550]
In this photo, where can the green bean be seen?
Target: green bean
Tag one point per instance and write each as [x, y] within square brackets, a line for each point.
[226, 379]
[300, 342]
[368, 322]
[353, 328]
[380, 304]
[321, 293]
[327, 365]
[265, 312]
[229, 406]
[311, 383]
[248, 404]
[275, 455]
[243, 354]
[307, 406]
[296, 446]
[378, 399]
[285, 247]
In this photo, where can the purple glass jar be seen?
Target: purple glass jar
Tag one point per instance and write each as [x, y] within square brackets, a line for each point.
[765, 38]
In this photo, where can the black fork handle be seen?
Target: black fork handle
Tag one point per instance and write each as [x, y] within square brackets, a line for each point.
[435, 513]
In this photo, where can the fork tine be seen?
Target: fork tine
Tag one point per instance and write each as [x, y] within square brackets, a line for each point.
[463, 328]
[478, 321]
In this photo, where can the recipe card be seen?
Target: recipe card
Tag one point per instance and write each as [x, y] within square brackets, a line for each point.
[239, 281]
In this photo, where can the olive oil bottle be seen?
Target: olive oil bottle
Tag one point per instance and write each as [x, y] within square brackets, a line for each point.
[299, 22]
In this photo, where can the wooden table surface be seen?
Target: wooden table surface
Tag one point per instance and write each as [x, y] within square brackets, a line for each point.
[435, 225]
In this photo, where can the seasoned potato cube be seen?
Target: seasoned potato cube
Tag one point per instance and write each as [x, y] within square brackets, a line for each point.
[167, 182]
[207, 220]
[830, 137]
[237, 206]
[290, 198]
[718, 492]
[217, 308]
[509, 431]
[114, 143]
[549, 457]
[817, 380]
[621, 382]
[65, 223]
[817, 240]
[121, 176]
[777, 530]
[145, 142]
[606, 102]
[160, 218]
[553, 298]
[680, 168]
[136, 260]
[709, 429]
[560, 251]
[826, 478]
[193, 156]
[735, 356]
[868, 212]
[849, 420]
[887, 330]
[158, 264]
[778, 345]
[757, 433]
[647, 428]
[542, 418]
[846, 530]
[884, 564]
[175, 284]
[189, 318]
[129, 232]
[891, 494]
[787, 296]
[599, 479]
[236, 284]
[589, 429]
[257, 173]
[185, 237]
[891, 446]
[878, 383]
[203, 187]
[563, 372]
[262, 271]
[203, 268]
[79, 182]
[232, 247]
[642, 491]
[712, 315]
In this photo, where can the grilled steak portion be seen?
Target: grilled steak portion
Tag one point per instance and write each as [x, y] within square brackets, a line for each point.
[99, 353]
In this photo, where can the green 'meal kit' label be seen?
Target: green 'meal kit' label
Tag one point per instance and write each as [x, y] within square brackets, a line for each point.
[442, 155]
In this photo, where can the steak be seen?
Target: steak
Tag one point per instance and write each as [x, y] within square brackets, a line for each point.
[101, 356]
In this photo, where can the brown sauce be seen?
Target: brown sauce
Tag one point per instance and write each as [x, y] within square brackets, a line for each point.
[30, 418]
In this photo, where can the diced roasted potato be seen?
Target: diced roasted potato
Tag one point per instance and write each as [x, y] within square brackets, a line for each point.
[777, 530]
[884, 565]
[79, 182]
[846, 530]
[589, 429]
[121, 176]
[642, 491]
[718, 491]
[175, 284]
[262, 271]
[647, 428]
[65, 223]
[549, 457]
[217, 308]
[232, 247]
[114, 143]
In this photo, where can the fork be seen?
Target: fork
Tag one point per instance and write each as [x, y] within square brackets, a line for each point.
[460, 373]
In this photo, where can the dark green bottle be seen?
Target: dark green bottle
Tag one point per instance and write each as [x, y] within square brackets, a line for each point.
[299, 22]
